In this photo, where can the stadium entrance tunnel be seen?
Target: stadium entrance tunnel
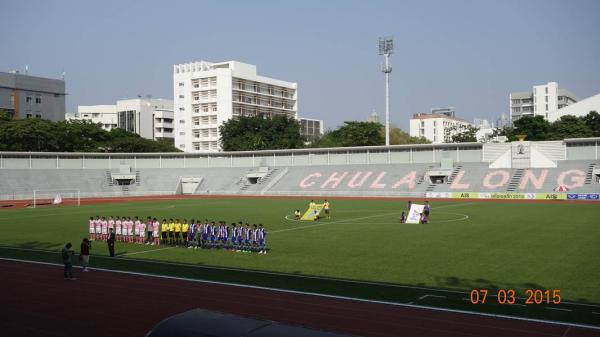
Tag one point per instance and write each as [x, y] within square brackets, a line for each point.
[206, 323]
[438, 176]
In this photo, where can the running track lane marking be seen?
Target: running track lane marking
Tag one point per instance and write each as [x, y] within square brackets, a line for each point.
[425, 296]
[351, 219]
[597, 328]
[146, 251]
[381, 284]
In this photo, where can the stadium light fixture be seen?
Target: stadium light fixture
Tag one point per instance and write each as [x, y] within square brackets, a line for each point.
[386, 48]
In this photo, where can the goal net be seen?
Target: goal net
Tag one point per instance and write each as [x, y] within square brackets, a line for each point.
[55, 198]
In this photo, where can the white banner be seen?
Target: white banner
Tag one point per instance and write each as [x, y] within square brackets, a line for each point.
[414, 215]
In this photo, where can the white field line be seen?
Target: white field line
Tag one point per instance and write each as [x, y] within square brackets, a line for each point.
[381, 284]
[326, 296]
[147, 251]
[561, 309]
[352, 219]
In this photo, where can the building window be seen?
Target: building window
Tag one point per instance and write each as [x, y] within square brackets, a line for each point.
[546, 89]
[181, 121]
[181, 109]
[546, 107]
[422, 124]
[29, 115]
[546, 99]
[38, 100]
[28, 99]
[181, 84]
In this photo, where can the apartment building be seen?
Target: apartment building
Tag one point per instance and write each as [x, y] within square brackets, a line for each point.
[208, 94]
[540, 100]
[438, 126]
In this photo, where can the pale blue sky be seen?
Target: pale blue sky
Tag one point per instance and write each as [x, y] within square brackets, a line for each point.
[465, 54]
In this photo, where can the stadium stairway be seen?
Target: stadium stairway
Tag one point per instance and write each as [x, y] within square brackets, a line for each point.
[515, 180]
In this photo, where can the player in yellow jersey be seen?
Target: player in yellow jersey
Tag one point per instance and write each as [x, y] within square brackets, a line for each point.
[312, 204]
[185, 228]
[177, 232]
[326, 209]
[171, 232]
[164, 231]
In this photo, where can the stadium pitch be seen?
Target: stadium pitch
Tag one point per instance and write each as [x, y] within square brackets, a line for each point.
[362, 251]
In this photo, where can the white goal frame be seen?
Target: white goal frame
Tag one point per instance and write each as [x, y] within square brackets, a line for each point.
[49, 194]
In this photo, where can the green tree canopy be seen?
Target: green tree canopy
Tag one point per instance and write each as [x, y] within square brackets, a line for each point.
[569, 127]
[247, 133]
[592, 120]
[42, 135]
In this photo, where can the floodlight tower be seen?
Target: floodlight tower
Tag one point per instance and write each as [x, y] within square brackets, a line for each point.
[386, 48]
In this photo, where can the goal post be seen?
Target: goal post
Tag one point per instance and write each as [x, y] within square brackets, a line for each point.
[53, 198]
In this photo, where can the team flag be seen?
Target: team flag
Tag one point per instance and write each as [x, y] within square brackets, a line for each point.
[414, 214]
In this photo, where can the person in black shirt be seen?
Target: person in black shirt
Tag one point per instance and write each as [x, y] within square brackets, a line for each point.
[111, 243]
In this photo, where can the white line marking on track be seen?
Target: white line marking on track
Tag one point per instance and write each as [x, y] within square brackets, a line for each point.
[561, 309]
[326, 296]
[146, 251]
[566, 332]
[425, 296]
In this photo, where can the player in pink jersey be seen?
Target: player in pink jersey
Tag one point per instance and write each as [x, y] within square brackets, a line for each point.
[118, 228]
[129, 230]
[111, 224]
[92, 226]
[141, 232]
[155, 232]
[136, 229]
[98, 228]
[104, 225]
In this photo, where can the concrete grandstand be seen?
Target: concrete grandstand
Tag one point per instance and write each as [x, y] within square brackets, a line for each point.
[508, 170]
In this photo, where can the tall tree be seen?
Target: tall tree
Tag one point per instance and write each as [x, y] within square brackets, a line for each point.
[535, 128]
[247, 133]
[569, 126]
[399, 137]
[462, 134]
[592, 120]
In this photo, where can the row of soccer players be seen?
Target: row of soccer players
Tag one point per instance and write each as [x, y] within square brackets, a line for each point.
[176, 233]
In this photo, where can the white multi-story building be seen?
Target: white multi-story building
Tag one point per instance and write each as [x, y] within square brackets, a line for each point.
[311, 128]
[151, 118]
[541, 100]
[105, 115]
[208, 94]
[437, 126]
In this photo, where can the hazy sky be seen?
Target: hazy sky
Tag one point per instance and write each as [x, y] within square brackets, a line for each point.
[465, 54]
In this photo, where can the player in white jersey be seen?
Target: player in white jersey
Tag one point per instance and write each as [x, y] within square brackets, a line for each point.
[98, 226]
[141, 231]
[111, 224]
[92, 226]
[118, 228]
[104, 225]
[155, 232]
[136, 229]
[129, 230]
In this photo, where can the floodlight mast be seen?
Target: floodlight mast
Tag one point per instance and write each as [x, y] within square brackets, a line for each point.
[386, 48]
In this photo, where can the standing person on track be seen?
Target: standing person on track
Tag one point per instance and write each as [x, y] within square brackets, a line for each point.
[111, 243]
[84, 254]
[67, 257]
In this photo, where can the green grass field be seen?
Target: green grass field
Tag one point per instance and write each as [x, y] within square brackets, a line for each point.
[467, 245]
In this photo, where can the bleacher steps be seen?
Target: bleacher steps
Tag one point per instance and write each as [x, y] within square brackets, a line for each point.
[514, 182]
[589, 174]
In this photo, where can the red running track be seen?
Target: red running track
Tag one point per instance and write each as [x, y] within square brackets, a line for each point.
[37, 301]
